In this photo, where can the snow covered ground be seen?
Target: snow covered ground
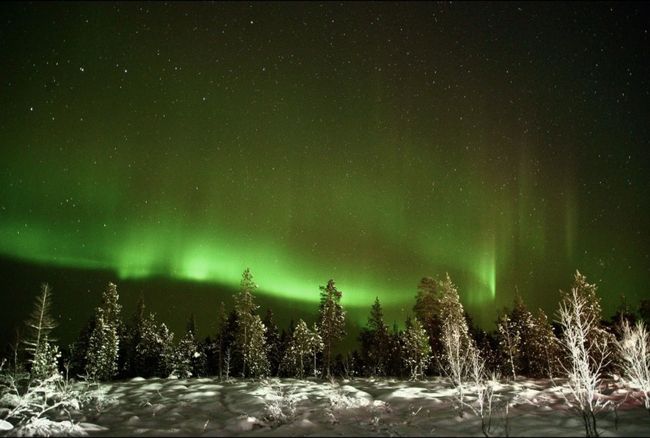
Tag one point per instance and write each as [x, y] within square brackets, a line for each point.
[359, 407]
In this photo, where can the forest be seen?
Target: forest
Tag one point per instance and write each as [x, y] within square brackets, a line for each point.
[578, 346]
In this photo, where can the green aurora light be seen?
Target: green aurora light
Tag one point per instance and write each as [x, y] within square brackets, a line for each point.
[224, 136]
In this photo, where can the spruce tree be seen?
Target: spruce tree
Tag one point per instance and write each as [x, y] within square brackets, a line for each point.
[331, 322]
[101, 358]
[415, 348]
[46, 361]
[299, 348]
[256, 352]
[154, 352]
[103, 347]
[304, 344]
[183, 356]
[374, 339]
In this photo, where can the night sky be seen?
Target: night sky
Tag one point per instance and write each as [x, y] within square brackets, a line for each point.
[372, 143]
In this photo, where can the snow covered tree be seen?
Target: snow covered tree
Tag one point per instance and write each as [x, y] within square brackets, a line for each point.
[331, 322]
[103, 346]
[101, 358]
[154, 352]
[634, 358]
[46, 361]
[255, 355]
[374, 339]
[527, 342]
[304, 343]
[316, 345]
[40, 324]
[184, 353]
[416, 351]
[586, 349]
[456, 342]
[245, 308]
[298, 349]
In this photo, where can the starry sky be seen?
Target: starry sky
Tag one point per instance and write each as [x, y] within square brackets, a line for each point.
[372, 143]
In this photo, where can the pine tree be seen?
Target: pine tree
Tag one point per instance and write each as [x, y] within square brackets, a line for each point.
[374, 339]
[331, 321]
[415, 347]
[40, 324]
[103, 347]
[245, 308]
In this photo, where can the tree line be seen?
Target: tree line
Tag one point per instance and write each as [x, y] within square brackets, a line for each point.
[437, 339]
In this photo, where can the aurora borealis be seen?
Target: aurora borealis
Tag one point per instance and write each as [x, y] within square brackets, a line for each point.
[372, 143]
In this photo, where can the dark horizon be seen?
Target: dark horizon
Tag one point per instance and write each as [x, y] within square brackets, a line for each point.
[85, 287]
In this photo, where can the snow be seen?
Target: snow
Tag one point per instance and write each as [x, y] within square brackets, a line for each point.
[359, 407]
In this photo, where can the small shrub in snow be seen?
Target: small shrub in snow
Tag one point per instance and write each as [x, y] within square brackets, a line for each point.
[280, 403]
[484, 390]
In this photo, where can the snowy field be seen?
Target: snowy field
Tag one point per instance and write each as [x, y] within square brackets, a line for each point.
[359, 407]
